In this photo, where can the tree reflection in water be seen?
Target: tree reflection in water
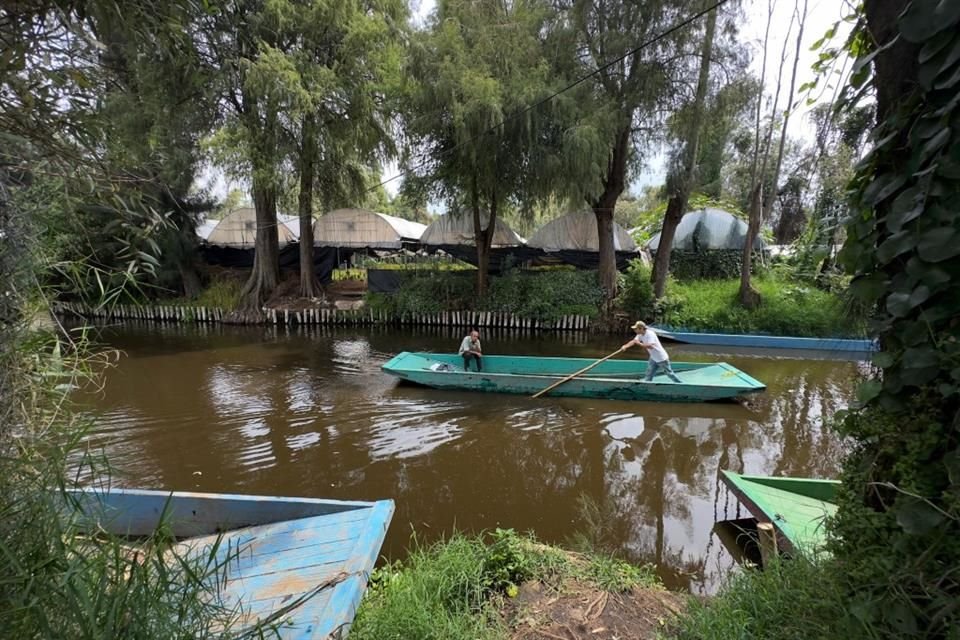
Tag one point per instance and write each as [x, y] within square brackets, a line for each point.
[308, 412]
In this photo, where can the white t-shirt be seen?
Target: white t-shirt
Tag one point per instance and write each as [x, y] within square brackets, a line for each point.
[469, 344]
[657, 352]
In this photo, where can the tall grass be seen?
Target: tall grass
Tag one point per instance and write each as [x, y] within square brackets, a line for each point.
[60, 577]
[794, 600]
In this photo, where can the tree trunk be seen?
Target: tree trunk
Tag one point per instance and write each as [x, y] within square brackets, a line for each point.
[483, 237]
[603, 209]
[308, 147]
[683, 184]
[750, 297]
[190, 278]
[266, 269]
[772, 196]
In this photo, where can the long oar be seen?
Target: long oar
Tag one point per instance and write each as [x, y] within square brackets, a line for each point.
[574, 375]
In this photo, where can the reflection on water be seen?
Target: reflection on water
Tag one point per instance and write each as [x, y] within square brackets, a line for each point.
[308, 412]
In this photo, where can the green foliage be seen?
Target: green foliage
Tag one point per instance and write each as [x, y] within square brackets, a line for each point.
[451, 590]
[636, 291]
[898, 520]
[913, 505]
[788, 308]
[616, 576]
[220, 293]
[709, 264]
[797, 600]
[443, 591]
[543, 295]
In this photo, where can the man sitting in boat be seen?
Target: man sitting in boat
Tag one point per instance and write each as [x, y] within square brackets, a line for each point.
[659, 360]
[470, 350]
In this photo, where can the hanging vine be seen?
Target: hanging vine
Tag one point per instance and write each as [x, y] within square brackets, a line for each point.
[897, 530]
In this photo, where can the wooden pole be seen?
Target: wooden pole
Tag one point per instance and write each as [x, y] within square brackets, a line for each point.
[574, 375]
[767, 535]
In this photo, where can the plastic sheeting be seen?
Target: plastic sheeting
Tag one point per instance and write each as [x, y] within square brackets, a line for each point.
[457, 230]
[578, 232]
[238, 230]
[708, 229]
[325, 259]
[363, 229]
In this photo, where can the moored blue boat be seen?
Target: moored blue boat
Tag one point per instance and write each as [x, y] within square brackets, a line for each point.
[768, 342]
[278, 551]
[621, 379]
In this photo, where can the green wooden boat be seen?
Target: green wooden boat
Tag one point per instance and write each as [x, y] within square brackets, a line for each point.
[613, 379]
[796, 507]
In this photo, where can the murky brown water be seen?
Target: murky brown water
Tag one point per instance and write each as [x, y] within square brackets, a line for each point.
[309, 413]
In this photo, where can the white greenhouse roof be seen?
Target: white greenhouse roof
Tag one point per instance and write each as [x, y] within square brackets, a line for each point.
[577, 231]
[238, 230]
[454, 229]
[360, 228]
[708, 229]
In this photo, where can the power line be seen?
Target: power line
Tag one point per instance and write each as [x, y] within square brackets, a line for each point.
[575, 83]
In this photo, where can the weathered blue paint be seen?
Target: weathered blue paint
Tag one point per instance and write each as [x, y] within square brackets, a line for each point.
[277, 550]
[621, 379]
[768, 342]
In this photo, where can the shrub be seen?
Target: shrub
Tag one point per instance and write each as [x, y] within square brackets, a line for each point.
[541, 295]
[636, 290]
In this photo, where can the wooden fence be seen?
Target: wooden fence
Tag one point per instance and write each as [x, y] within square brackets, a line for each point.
[333, 317]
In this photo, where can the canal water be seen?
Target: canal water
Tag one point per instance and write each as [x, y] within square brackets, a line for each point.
[308, 412]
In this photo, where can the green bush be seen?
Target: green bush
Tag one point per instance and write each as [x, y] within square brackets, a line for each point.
[786, 308]
[714, 264]
[636, 291]
[543, 295]
[443, 591]
[451, 590]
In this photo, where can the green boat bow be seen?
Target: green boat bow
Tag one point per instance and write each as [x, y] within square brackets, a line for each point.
[797, 507]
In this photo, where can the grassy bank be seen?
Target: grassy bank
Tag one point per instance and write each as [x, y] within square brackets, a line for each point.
[787, 308]
[796, 600]
[508, 586]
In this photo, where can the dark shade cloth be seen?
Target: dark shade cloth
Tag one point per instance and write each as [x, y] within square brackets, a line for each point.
[325, 259]
[384, 280]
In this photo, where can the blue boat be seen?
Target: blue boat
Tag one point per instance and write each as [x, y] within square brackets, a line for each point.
[767, 342]
[315, 554]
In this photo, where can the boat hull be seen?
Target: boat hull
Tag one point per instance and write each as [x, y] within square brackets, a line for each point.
[797, 507]
[845, 345]
[614, 379]
[274, 551]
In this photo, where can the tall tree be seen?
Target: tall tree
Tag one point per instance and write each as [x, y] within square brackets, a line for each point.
[682, 179]
[155, 98]
[343, 68]
[761, 202]
[615, 117]
[478, 66]
[241, 43]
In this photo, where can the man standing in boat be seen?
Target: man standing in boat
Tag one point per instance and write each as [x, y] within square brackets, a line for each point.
[470, 350]
[659, 360]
